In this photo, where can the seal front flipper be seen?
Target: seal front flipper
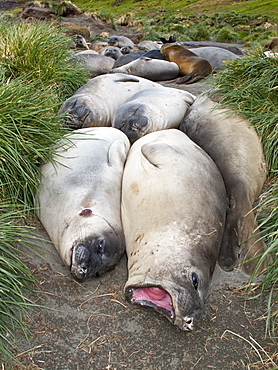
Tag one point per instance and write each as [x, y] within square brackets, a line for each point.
[155, 153]
[117, 153]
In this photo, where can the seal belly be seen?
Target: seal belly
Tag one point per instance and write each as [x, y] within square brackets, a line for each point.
[173, 213]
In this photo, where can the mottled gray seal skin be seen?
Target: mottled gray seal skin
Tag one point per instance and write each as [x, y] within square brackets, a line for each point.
[173, 214]
[215, 56]
[95, 63]
[95, 103]
[149, 45]
[236, 149]
[79, 197]
[120, 41]
[152, 69]
[112, 52]
[151, 110]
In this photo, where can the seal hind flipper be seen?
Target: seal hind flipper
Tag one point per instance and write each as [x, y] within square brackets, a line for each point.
[189, 78]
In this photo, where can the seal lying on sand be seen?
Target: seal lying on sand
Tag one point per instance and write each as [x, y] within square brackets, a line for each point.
[151, 110]
[152, 69]
[192, 67]
[95, 103]
[236, 149]
[173, 214]
[79, 199]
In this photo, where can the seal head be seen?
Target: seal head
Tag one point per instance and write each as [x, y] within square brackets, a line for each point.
[182, 307]
[94, 256]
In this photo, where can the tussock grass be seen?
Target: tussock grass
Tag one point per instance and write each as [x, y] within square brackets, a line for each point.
[29, 125]
[36, 75]
[40, 52]
[15, 279]
[249, 86]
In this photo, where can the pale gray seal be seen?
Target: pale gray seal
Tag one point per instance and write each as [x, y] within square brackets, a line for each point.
[173, 214]
[151, 110]
[95, 63]
[112, 52]
[236, 149]
[79, 199]
[120, 41]
[95, 103]
[192, 67]
[152, 69]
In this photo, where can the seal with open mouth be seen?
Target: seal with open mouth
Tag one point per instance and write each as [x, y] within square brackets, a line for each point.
[173, 214]
[79, 199]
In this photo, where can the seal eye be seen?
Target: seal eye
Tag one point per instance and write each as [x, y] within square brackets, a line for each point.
[100, 246]
[195, 280]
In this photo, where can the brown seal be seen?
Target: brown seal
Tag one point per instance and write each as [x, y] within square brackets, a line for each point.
[191, 66]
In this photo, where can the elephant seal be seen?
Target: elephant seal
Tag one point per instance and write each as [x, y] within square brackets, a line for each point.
[149, 45]
[92, 61]
[79, 199]
[151, 110]
[215, 56]
[236, 149]
[80, 42]
[127, 58]
[192, 67]
[173, 214]
[95, 103]
[112, 52]
[152, 69]
[120, 41]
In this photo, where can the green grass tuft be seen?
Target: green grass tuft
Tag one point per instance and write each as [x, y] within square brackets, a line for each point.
[15, 278]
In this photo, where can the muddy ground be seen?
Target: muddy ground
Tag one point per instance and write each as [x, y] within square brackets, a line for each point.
[90, 325]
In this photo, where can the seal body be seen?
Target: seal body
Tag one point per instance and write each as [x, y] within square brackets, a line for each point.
[120, 41]
[173, 213]
[215, 56]
[236, 149]
[113, 52]
[192, 67]
[79, 199]
[127, 58]
[152, 69]
[95, 103]
[151, 110]
[95, 63]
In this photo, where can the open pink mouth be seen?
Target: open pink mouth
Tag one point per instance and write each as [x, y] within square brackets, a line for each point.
[154, 297]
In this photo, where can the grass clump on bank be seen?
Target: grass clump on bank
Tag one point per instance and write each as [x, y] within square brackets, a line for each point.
[15, 279]
[36, 75]
[249, 87]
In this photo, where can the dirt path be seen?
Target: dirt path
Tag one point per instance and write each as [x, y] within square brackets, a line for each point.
[90, 325]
